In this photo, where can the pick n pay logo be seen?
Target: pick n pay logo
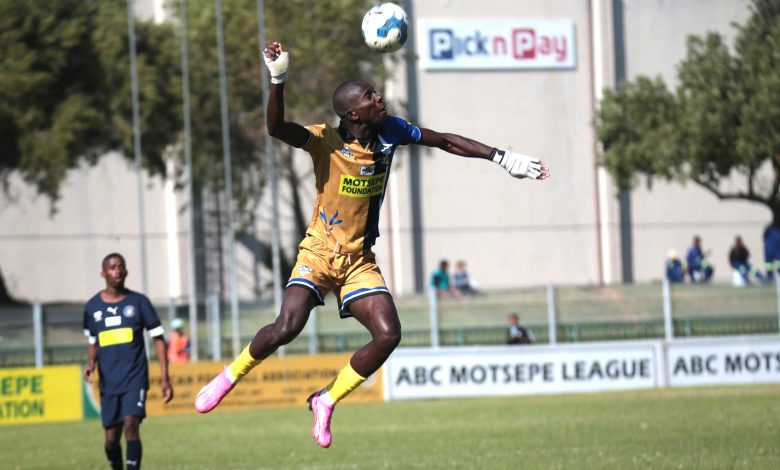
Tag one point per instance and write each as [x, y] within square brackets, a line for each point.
[521, 44]
[497, 44]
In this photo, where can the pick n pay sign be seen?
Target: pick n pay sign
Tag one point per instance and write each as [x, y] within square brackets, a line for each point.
[461, 44]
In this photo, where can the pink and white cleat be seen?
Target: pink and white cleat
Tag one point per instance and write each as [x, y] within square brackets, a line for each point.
[213, 392]
[322, 414]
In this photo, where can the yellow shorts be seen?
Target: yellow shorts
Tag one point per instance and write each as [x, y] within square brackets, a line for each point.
[351, 276]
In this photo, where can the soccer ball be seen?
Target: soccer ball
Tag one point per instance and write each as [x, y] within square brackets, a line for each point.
[384, 27]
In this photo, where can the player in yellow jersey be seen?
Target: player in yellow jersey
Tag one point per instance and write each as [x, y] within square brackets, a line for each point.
[351, 165]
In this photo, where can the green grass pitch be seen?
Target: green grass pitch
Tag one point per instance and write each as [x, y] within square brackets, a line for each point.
[693, 428]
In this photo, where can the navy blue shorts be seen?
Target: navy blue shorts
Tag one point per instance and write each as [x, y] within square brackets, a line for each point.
[114, 408]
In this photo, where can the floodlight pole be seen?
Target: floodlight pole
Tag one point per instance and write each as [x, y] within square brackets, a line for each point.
[271, 168]
[137, 141]
[227, 163]
[185, 85]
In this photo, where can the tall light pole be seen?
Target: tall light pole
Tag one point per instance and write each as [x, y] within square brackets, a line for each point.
[185, 92]
[137, 141]
[233, 276]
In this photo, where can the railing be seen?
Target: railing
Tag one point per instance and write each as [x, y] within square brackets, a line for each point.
[580, 314]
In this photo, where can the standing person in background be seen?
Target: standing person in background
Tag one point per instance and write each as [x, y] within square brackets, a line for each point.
[114, 320]
[739, 257]
[699, 267]
[351, 164]
[178, 343]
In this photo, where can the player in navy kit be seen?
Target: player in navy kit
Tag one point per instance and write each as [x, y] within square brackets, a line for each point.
[114, 320]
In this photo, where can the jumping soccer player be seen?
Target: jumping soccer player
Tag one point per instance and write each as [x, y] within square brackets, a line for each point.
[113, 322]
[351, 166]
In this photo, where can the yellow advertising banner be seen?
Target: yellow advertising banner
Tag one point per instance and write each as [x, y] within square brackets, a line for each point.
[47, 394]
[276, 382]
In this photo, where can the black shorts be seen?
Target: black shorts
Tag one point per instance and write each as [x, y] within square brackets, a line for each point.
[114, 408]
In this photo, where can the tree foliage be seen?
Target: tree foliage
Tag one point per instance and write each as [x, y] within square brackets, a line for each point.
[65, 94]
[722, 121]
[65, 88]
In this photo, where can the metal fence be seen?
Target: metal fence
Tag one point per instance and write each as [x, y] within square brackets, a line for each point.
[52, 334]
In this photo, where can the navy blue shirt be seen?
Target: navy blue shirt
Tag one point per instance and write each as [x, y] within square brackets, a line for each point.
[117, 329]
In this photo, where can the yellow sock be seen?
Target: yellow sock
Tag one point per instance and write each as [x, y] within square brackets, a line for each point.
[344, 383]
[242, 365]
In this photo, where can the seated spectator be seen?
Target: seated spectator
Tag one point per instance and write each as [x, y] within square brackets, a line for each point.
[699, 267]
[440, 280]
[518, 334]
[464, 282]
[675, 267]
[739, 257]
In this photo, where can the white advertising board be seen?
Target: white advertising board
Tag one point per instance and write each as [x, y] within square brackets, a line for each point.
[462, 44]
[728, 360]
[522, 370]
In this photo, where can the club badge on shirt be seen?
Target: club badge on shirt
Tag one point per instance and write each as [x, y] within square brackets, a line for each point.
[129, 311]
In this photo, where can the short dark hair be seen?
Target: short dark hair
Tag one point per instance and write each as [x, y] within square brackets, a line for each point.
[112, 255]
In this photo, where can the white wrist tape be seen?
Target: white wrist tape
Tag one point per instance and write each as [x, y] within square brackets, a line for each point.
[278, 67]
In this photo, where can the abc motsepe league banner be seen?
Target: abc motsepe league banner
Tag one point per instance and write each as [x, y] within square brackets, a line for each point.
[724, 360]
[523, 370]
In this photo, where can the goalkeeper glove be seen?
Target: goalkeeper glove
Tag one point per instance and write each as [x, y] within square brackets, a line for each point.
[278, 67]
[518, 165]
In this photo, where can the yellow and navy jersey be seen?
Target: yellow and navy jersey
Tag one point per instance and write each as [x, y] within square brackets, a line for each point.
[351, 177]
[117, 330]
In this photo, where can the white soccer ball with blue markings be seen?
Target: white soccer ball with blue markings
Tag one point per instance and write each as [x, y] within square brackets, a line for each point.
[385, 27]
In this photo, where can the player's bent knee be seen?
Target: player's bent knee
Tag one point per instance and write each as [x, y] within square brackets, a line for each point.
[287, 330]
[388, 339]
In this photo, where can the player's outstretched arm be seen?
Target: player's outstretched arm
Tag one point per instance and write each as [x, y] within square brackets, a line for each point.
[278, 63]
[518, 165]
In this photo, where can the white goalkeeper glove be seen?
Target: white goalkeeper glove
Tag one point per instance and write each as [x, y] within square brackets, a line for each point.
[518, 165]
[278, 67]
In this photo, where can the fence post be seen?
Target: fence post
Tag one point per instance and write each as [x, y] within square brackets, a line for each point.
[668, 325]
[552, 314]
[433, 304]
[171, 310]
[777, 297]
[215, 327]
[38, 333]
[313, 332]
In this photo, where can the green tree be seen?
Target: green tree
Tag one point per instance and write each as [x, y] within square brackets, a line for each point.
[721, 123]
[65, 88]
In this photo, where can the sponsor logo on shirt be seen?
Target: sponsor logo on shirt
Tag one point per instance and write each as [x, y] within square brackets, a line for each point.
[98, 315]
[304, 270]
[387, 148]
[113, 321]
[346, 151]
[366, 170]
[362, 186]
[111, 310]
